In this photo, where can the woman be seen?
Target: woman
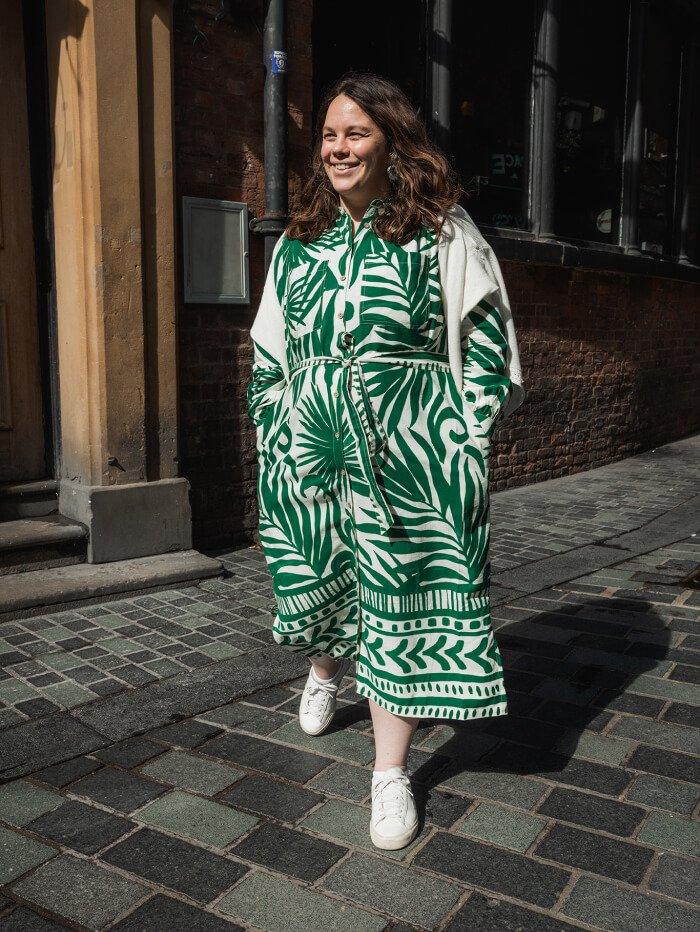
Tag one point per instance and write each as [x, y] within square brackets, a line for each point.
[379, 371]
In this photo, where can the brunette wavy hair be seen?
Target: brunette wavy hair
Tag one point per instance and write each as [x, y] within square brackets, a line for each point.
[422, 186]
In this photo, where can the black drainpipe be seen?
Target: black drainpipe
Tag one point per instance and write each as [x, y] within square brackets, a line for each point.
[440, 53]
[275, 217]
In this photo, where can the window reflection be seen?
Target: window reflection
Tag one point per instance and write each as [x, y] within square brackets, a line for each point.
[589, 119]
[491, 80]
[659, 102]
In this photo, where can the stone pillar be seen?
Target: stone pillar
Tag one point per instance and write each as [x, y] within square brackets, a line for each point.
[110, 83]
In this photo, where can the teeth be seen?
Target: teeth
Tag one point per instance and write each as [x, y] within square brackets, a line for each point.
[343, 167]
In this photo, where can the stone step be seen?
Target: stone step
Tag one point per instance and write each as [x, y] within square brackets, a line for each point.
[28, 499]
[41, 542]
[25, 594]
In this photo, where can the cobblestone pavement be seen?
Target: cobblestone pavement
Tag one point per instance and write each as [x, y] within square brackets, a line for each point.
[155, 777]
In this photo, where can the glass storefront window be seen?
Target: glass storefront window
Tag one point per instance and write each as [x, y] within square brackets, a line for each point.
[660, 77]
[490, 119]
[589, 119]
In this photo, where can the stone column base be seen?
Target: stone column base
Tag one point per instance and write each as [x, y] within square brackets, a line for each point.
[126, 521]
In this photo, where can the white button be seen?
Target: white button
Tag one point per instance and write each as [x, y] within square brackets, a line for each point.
[337, 433]
[340, 315]
[337, 394]
[342, 278]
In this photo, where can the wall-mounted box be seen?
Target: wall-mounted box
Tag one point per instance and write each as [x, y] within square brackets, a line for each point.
[215, 251]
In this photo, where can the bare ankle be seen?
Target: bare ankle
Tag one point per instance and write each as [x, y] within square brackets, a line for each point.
[325, 667]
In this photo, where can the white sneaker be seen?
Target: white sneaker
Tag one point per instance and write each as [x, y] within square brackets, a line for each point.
[319, 699]
[394, 820]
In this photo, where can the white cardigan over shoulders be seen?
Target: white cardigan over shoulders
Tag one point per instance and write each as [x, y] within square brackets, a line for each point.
[469, 272]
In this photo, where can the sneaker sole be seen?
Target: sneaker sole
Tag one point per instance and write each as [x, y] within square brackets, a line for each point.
[391, 844]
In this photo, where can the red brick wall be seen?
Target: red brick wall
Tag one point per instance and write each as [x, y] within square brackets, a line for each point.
[219, 153]
[610, 366]
[607, 358]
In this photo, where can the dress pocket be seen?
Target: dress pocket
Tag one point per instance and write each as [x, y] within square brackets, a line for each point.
[272, 422]
[394, 290]
[304, 300]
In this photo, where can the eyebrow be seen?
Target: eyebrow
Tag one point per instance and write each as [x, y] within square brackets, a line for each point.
[354, 126]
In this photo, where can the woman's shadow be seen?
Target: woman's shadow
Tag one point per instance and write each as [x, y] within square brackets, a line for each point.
[566, 673]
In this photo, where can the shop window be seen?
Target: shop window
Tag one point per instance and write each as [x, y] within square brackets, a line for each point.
[490, 91]
[660, 75]
[588, 141]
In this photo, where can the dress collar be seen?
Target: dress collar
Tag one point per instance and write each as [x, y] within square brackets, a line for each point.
[370, 211]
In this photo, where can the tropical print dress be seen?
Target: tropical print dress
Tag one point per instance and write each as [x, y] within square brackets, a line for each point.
[372, 478]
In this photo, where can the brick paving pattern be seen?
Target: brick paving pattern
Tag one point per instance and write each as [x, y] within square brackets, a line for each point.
[577, 810]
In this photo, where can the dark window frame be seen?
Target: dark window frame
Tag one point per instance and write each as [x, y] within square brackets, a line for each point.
[540, 243]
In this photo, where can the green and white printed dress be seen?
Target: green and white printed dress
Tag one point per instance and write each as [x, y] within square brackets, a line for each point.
[378, 373]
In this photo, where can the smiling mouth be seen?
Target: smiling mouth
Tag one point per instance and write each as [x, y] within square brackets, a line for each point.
[343, 169]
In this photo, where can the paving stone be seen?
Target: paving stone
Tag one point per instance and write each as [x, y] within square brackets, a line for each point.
[660, 734]
[671, 833]
[678, 878]
[611, 781]
[188, 694]
[187, 734]
[25, 920]
[19, 853]
[80, 827]
[486, 914]
[402, 892]
[442, 809]
[351, 745]
[193, 871]
[162, 914]
[685, 674]
[271, 697]
[665, 763]
[454, 743]
[505, 827]
[289, 851]
[21, 801]
[594, 812]
[491, 784]
[129, 753]
[60, 775]
[609, 906]
[246, 717]
[587, 745]
[598, 854]
[630, 702]
[663, 689]
[341, 779]
[663, 793]
[116, 789]
[682, 714]
[197, 818]
[501, 871]
[192, 772]
[258, 754]
[271, 797]
[12, 690]
[349, 824]
[35, 708]
[68, 695]
[278, 905]
[567, 713]
[80, 891]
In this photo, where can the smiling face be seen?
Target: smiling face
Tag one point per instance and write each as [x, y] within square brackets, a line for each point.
[354, 152]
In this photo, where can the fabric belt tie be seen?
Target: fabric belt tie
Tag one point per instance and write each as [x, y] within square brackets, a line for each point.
[367, 430]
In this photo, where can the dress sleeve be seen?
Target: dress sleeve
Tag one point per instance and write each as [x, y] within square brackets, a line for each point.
[270, 370]
[492, 381]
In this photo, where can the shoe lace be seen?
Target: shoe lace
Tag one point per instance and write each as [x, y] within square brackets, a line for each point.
[391, 796]
[317, 697]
